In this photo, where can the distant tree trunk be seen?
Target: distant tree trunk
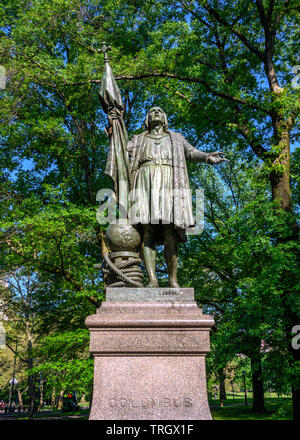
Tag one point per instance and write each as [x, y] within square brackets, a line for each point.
[31, 389]
[30, 364]
[60, 399]
[53, 398]
[222, 386]
[31, 380]
[257, 382]
[41, 392]
[9, 398]
[20, 397]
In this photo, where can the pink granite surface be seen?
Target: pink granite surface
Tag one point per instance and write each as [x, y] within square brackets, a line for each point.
[149, 361]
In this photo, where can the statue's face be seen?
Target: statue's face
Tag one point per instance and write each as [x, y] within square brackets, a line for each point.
[156, 116]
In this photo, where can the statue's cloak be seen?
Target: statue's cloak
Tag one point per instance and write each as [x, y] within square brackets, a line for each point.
[181, 151]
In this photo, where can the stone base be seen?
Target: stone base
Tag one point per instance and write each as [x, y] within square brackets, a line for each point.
[150, 359]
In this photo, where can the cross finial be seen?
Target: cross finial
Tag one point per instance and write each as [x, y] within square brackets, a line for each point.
[105, 48]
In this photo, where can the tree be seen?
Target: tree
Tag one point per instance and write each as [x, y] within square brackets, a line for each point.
[19, 304]
[65, 362]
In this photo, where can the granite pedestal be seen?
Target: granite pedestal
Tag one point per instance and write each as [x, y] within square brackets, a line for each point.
[149, 347]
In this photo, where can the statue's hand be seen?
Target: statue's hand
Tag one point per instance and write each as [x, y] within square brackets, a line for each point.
[216, 157]
[112, 114]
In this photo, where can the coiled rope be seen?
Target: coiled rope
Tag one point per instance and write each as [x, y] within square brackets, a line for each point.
[123, 273]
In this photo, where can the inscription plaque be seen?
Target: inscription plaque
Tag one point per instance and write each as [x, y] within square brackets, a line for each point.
[149, 402]
[155, 294]
[153, 340]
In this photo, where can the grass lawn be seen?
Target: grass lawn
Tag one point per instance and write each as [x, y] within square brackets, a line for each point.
[277, 409]
[82, 414]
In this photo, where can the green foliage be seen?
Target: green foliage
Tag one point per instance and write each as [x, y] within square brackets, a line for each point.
[65, 361]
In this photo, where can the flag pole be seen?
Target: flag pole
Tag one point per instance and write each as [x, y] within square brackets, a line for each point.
[117, 166]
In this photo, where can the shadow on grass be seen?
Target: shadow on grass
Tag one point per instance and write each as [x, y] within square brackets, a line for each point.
[277, 409]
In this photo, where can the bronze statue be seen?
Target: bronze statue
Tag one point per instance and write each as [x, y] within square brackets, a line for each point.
[163, 204]
[154, 177]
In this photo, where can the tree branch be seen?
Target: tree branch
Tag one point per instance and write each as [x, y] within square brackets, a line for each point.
[235, 31]
[54, 270]
[16, 353]
[197, 16]
[180, 78]
[195, 80]
[280, 14]
[256, 146]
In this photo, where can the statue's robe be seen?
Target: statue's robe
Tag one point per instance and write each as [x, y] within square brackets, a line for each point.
[181, 151]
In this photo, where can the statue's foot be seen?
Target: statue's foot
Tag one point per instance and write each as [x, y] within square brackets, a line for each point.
[174, 283]
[153, 283]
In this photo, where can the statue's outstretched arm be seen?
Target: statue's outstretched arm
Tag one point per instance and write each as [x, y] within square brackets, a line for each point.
[194, 155]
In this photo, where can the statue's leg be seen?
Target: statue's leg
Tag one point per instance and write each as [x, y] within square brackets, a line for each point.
[149, 255]
[171, 253]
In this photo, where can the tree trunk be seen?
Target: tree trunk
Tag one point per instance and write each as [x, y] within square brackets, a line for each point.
[31, 380]
[31, 377]
[53, 398]
[20, 397]
[257, 382]
[31, 389]
[60, 399]
[9, 398]
[41, 404]
[280, 174]
[222, 386]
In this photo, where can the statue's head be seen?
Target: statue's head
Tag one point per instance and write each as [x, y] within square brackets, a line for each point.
[156, 116]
